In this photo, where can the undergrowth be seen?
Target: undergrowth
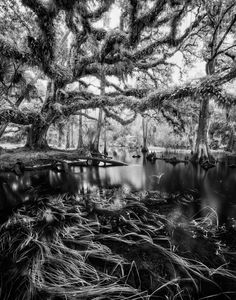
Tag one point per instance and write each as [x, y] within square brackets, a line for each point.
[112, 247]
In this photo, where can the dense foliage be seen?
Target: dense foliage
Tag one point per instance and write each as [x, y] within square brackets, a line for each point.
[72, 45]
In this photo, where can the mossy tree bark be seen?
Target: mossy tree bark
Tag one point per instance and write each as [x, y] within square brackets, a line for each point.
[37, 136]
[202, 150]
[24, 93]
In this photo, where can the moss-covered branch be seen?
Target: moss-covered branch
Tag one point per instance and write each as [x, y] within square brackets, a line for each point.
[18, 116]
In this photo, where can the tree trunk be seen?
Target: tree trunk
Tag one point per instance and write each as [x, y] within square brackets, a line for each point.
[231, 143]
[145, 129]
[68, 135]
[72, 134]
[202, 151]
[80, 137]
[60, 135]
[192, 135]
[191, 143]
[94, 144]
[105, 152]
[37, 136]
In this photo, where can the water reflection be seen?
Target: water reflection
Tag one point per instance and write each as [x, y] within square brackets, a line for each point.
[217, 186]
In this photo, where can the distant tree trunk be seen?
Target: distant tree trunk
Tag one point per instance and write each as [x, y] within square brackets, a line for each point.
[72, 134]
[191, 143]
[60, 135]
[80, 143]
[105, 138]
[68, 135]
[232, 139]
[191, 139]
[145, 129]
[192, 136]
[154, 130]
[94, 144]
[80, 137]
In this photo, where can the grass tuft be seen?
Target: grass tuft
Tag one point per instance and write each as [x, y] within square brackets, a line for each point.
[70, 247]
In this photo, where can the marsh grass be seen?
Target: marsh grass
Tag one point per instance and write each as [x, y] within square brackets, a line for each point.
[69, 247]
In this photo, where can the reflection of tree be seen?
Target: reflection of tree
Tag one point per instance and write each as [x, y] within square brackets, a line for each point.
[201, 174]
[107, 178]
[63, 182]
[40, 183]
[144, 159]
[10, 194]
[93, 176]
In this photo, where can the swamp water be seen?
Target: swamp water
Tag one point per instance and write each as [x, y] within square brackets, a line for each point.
[215, 187]
[153, 213]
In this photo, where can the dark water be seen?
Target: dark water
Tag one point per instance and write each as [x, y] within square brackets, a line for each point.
[217, 186]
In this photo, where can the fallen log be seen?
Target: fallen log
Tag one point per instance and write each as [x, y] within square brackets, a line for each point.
[104, 160]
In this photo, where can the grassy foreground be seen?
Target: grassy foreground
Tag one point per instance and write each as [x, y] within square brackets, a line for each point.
[87, 247]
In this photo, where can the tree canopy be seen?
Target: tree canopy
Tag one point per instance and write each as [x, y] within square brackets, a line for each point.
[67, 42]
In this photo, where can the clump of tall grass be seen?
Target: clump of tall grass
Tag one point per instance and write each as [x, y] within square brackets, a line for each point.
[171, 250]
[38, 262]
[70, 247]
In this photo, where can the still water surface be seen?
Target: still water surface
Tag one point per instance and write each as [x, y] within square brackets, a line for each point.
[217, 186]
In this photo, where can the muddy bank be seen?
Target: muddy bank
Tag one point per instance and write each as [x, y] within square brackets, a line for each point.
[8, 157]
[23, 159]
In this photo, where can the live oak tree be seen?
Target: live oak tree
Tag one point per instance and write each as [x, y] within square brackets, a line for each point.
[59, 44]
[218, 29]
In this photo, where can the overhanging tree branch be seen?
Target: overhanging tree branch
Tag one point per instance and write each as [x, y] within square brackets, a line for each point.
[149, 100]
[19, 117]
[118, 119]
